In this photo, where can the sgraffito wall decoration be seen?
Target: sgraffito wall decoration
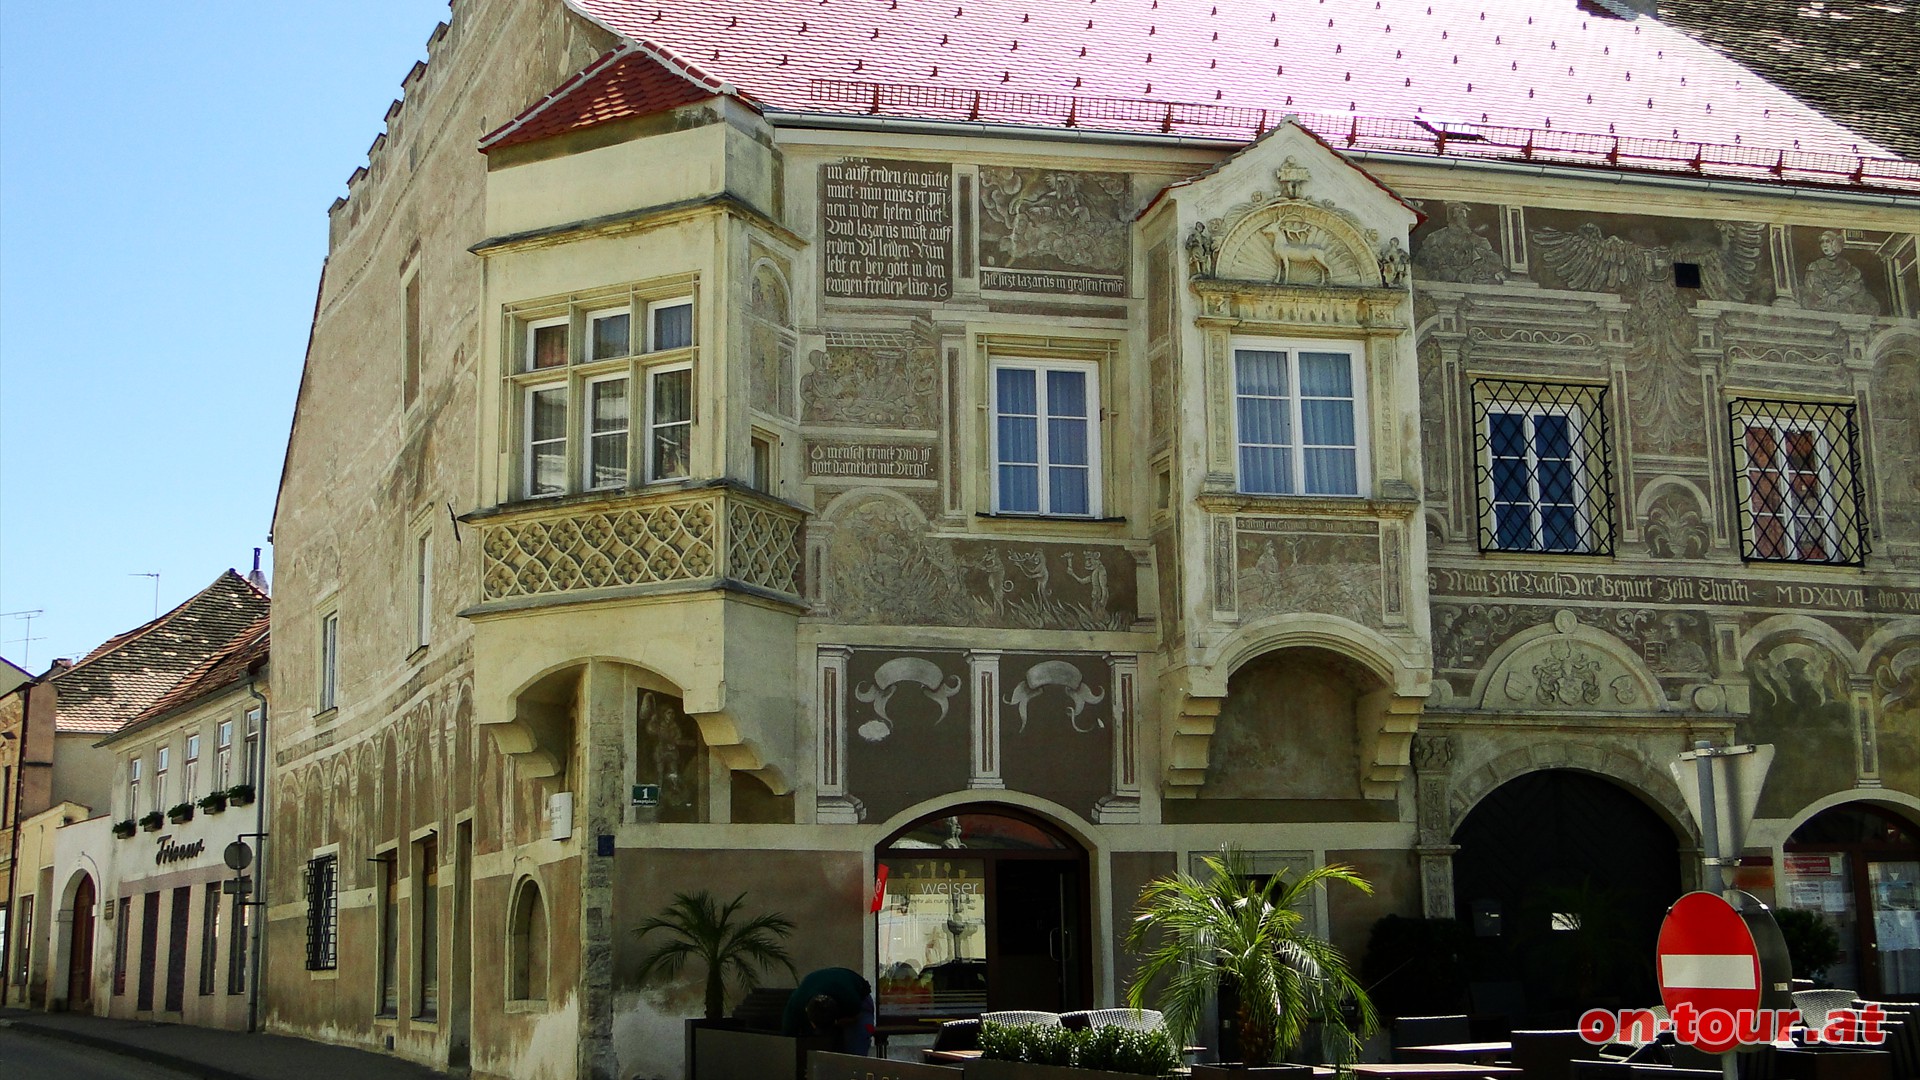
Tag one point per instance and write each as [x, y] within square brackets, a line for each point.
[1045, 230]
[1329, 566]
[1057, 726]
[908, 727]
[875, 378]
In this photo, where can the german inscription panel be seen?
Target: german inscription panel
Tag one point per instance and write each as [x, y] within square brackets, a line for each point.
[888, 229]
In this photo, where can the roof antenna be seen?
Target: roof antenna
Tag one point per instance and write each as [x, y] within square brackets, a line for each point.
[26, 656]
[257, 579]
[156, 590]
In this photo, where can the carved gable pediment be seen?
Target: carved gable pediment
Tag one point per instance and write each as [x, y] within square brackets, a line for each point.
[1568, 667]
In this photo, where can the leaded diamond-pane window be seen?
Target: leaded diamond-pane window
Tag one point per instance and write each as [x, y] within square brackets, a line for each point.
[1796, 471]
[1545, 471]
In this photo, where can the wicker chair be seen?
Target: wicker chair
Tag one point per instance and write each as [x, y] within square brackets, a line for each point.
[1020, 1016]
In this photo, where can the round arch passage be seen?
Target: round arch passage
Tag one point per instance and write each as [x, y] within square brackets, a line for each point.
[985, 908]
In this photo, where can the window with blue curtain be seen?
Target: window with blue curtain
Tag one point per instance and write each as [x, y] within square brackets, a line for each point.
[1535, 476]
[1045, 440]
[1296, 412]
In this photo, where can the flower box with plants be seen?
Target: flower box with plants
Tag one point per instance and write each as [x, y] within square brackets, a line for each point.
[181, 813]
[125, 829]
[240, 795]
[1032, 1052]
[214, 803]
[152, 820]
[1234, 926]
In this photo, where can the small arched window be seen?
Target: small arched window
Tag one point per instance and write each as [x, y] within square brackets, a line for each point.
[527, 945]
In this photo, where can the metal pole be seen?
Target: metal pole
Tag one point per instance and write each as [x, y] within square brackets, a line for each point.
[1714, 880]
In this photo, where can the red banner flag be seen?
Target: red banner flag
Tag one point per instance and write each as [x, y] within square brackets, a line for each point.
[879, 889]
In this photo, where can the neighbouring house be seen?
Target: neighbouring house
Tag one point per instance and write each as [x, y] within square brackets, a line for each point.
[71, 780]
[1012, 450]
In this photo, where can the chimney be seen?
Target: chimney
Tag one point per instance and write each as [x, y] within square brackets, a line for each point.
[257, 579]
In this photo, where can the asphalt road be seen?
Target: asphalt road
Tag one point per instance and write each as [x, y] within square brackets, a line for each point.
[31, 1057]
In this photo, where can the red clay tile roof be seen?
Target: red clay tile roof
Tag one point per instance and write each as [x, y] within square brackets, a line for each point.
[628, 82]
[220, 670]
[1546, 81]
[120, 679]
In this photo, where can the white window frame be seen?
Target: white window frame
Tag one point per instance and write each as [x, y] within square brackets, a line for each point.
[223, 755]
[652, 374]
[162, 757]
[1582, 477]
[329, 662]
[763, 457]
[190, 768]
[1096, 474]
[587, 434]
[652, 328]
[136, 766]
[593, 320]
[1356, 353]
[527, 456]
[423, 590]
[527, 346]
[250, 754]
[1826, 517]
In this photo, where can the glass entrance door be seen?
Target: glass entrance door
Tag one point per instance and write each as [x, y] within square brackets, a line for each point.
[1895, 889]
[981, 911]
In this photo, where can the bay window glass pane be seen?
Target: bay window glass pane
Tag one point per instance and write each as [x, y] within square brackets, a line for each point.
[547, 440]
[1067, 490]
[673, 326]
[1326, 423]
[1265, 421]
[610, 335]
[607, 427]
[1017, 431]
[1326, 375]
[549, 347]
[1261, 372]
[1020, 489]
[672, 423]
[1331, 471]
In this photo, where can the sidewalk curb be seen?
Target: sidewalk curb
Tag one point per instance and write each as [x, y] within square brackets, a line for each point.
[139, 1053]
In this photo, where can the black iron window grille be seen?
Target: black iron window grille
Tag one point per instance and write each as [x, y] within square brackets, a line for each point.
[1545, 467]
[1797, 477]
[323, 897]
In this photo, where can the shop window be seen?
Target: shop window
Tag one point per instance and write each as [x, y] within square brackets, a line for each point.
[323, 898]
[527, 950]
[1046, 437]
[209, 937]
[1544, 474]
[426, 898]
[1798, 482]
[1299, 418]
[389, 934]
[240, 919]
[121, 930]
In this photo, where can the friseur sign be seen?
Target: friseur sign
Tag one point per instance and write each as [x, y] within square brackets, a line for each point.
[1663, 589]
[170, 852]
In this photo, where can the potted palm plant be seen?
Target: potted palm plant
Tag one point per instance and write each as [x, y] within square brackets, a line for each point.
[1232, 926]
[728, 946]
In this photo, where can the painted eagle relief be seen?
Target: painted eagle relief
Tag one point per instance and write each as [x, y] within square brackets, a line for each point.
[1663, 374]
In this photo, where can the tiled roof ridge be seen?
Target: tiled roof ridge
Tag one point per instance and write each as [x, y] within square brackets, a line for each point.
[127, 637]
[586, 79]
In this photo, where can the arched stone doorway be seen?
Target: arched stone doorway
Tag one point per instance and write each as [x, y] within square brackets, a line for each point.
[984, 908]
[80, 947]
[1560, 882]
[1858, 865]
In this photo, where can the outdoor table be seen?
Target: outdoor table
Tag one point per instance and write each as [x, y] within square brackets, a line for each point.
[949, 1057]
[1479, 1053]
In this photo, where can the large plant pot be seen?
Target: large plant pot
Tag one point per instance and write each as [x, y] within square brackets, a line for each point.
[825, 1066]
[986, 1069]
[1235, 1071]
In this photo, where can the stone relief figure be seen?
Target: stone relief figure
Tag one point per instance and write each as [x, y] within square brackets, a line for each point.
[1457, 252]
[1095, 579]
[1203, 250]
[1043, 219]
[1297, 242]
[1669, 641]
[903, 671]
[881, 378]
[1325, 574]
[1675, 528]
[1067, 678]
[1570, 677]
[770, 344]
[1663, 386]
[1291, 178]
[1834, 284]
[670, 745]
[1393, 263]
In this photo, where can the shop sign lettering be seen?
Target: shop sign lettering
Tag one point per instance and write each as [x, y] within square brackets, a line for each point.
[171, 852]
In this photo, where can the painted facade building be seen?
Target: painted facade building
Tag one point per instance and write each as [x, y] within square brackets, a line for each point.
[807, 443]
[71, 779]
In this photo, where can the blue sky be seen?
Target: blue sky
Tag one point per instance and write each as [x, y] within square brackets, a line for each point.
[165, 171]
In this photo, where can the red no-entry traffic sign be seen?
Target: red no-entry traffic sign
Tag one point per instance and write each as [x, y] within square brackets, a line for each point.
[1714, 968]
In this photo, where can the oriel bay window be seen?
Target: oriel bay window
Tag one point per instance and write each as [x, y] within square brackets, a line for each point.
[1299, 417]
[1543, 466]
[583, 379]
[1796, 470]
[1046, 437]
